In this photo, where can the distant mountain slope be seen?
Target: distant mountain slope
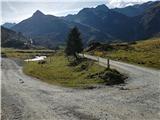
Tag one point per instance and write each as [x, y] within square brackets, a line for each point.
[98, 24]
[106, 20]
[150, 21]
[51, 30]
[120, 26]
[10, 38]
[8, 25]
[137, 9]
[40, 24]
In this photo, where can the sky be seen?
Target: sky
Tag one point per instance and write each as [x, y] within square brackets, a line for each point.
[18, 10]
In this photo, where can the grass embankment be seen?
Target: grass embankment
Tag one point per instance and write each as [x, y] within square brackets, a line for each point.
[145, 53]
[58, 71]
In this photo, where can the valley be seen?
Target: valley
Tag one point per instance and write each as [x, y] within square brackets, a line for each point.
[98, 63]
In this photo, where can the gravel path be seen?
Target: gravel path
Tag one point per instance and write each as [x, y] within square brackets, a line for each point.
[27, 98]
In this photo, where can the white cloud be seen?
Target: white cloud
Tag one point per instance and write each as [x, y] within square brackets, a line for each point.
[123, 3]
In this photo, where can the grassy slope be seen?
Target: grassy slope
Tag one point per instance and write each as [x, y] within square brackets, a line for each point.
[58, 72]
[145, 53]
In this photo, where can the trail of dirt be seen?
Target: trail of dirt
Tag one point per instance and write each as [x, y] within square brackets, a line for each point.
[27, 98]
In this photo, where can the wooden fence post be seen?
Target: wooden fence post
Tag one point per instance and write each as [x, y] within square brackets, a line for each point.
[27, 58]
[108, 64]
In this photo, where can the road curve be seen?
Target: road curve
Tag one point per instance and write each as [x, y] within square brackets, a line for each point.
[27, 98]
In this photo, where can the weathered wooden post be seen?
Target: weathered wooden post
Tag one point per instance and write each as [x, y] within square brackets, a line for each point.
[27, 58]
[98, 59]
[108, 64]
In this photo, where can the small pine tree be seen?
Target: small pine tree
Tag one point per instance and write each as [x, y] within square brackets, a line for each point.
[74, 43]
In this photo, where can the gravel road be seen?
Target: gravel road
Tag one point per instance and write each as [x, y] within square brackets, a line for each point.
[27, 98]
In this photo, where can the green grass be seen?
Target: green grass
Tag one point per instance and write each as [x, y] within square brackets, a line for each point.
[144, 53]
[25, 54]
[57, 71]
[148, 59]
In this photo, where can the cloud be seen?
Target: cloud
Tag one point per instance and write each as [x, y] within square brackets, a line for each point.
[124, 3]
[74, 0]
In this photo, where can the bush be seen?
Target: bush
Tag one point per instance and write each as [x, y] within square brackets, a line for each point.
[83, 66]
[74, 62]
[42, 62]
[3, 54]
[110, 76]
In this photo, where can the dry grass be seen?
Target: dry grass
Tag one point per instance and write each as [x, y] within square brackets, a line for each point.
[145, 53]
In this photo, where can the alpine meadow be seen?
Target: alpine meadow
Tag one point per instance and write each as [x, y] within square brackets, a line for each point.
[80, 60]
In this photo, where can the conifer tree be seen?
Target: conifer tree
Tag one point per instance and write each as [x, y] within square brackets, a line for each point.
[74, 43]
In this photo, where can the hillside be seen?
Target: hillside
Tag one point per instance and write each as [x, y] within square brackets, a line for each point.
[137, 9]
[145, 53]
[121, 27]
[10, 38]
[8, 25]
[51, 30]
[107, 21]
[150, 21]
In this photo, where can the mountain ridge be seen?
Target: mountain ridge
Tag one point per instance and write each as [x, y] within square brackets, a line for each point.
[8, 25]
[136, 9]
[53, 29]
[99, 23]
[10, 38]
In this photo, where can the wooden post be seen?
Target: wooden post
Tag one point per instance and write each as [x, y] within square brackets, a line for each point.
[27, 58]
[108, 64]
[99, 60]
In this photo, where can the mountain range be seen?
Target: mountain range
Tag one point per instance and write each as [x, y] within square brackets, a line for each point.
[137, 9]
[107, 21]
[100, 24]
[8, 25]
[51, 30]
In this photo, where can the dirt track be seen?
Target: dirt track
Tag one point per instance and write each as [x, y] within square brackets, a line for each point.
[26, 98]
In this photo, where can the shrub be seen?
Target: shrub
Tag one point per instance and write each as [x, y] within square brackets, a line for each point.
[83, 66]
[110, 76]
[42, 62]
[3, 54]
